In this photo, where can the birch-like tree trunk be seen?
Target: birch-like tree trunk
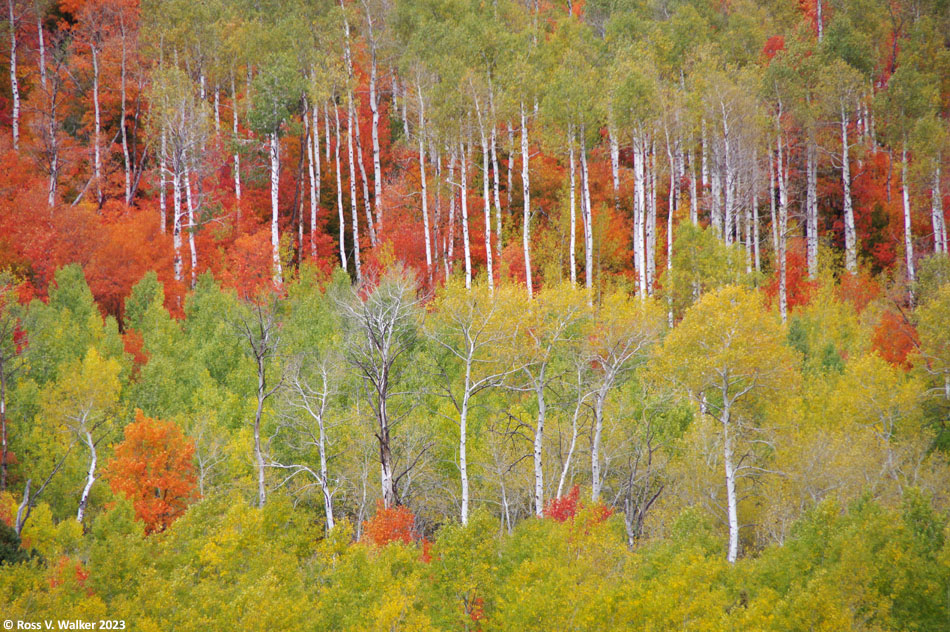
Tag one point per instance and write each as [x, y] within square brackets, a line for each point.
[162, 202]
[354, 214]
[573, 225]
[90, 475]
[274, 190]
[339, 184]
[731, 500]
[639, 212]
[450, 231]
[353, 122]
[936, 213]
[486, 196]
[494, 160]
[97, 158]
[782, 173]
[14, 81]
[463, 171]
[313, 155]
[539, 443]
[614, 162]
[374, 130]
[850, 235]
[122, 125]
[908, 233]
[526, 182]
[811, 207]
[190, 206]
[587, 218]
[176, 222]
[422, 177]
[237, 156]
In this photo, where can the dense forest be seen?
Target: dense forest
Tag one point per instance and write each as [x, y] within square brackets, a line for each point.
[472, 315]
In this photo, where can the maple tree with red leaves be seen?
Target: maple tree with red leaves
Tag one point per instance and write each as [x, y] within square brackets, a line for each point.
[153, 467]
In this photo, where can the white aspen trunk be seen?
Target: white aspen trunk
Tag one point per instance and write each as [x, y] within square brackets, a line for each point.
[41, 41]
[773, 217]
[122, 126]
[819, 19]
[274, 187]
[526, 182]
[258, 450]
[599, 400]
[236, 156]
[354, 214]
[850, 234]
[908, 234]
[731, 500]
[729, 216]
[450, 232]
[176, 222]
[485, 195]
[811, 208]
[936, 213]
[705, 155]
[326, 127]
[756, 244]
[97, 159]
[614, 163]
[651, 220]
[573, 226]
[425, 192]
[189, 205]
[322, 447]
[693, 197]
[463, 438]
[782, 229]
[495, 184]
[639, 234]
[339, 184]
[14, 82]
[90, 476]
[570, 451]
[217, 110]
[511, 160]
[539, 447]
[465, 240]
[587, 217]
[313, 160]
[162, 203]
[354, 121]
[374, 130]
[715, 190]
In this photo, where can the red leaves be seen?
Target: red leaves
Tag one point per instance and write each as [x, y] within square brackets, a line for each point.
[564, 508]
[153, 468]
[894, 338]
[774, 44]
[390, 524]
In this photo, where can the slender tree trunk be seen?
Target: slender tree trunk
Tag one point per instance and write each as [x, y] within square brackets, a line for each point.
[176, 222]
[122, 126]
[313, 160]
[730, 488]
[97, 159]
[936, 213]
[526, 182]
[651, 220]
[324, 481]
[374, 130]
[693, 197]
[539, 447]
[573, 225]
[258, 450]
[487, 200]
[587, 217]
[614, 163]
[422, 178]
[14, 82]
[511, 160]
[217, 110]
[354, 122]
[4, 448]
[465, 240]
[354, 214]
[90, 476]
[639, 236]
[782, 230]
[274, 186]
[756, 242]
[850, 235]
[811, 207]
[189, 204]
[450, 232]
[908, 234]
[570, 451]
[463, 438]
[162, 202]
[495, 183]
[595, 476]
[237, 156]
[339, 185]
[41, 42]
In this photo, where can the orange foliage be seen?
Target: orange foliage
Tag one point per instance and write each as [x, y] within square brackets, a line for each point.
[858, 289]
[894, 338]
[153, 468]
[798, 287]
[390, 524]
[564, 508]
[69, 572]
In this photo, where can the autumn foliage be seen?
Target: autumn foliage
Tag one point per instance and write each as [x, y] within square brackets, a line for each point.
[153, 468]
[390, 524]
[566, 507]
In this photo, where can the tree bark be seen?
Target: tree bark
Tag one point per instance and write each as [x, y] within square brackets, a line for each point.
[339, 185]
[573, 225]
[422, 177]
[463, 170]
[526, 182]
[274, 190]
[850, 235]
[908, 233]
[354, 214]
[936, 213]
[811, 207]
[14, 82]
[90, 476]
